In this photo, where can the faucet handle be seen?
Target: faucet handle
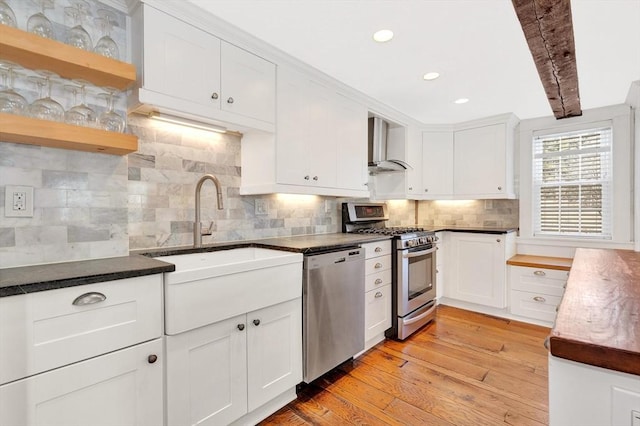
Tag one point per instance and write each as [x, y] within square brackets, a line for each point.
[207, 231]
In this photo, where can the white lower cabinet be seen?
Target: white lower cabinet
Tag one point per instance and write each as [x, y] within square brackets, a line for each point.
[536, 292]
[477, 270]
[218, 373]
[377, 296]
[120, 388]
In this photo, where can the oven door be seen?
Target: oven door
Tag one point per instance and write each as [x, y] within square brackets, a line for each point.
[416, 278]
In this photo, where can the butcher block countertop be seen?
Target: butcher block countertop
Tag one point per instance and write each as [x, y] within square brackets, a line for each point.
[545, 262]
[598, 321]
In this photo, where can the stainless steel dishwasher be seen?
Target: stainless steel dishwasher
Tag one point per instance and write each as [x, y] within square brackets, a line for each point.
[332, 309]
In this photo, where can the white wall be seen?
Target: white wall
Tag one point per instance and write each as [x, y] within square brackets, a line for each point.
[633, 99]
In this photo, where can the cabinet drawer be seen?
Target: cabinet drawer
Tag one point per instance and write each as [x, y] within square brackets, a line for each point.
[377, 280]
[534, 305]
[377, 311]
[377, 248]
[44, 330]
[377, 264]
[538, 280]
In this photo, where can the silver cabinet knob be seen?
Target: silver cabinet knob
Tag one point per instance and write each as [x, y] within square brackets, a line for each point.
[426, 190]
[315, 178]
[378, 295]
[539, 273]
[499, 188]
[498, 240]
[256, 322]
[539, 299]
[230, 100]
[307, 177]
[240, 327]
[214, 95]
[411, 188]
[152, 358]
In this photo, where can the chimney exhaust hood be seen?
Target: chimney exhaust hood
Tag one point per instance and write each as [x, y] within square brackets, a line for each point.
[378, 161]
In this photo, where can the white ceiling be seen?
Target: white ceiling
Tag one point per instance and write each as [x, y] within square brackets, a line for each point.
[476, 45]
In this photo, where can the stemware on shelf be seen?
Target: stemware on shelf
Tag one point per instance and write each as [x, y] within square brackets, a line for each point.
[110, 120]
[11, 102]
[77, 36]
[80, 114]
[106, 46]
[7, 17]
[45, 107]
[38, 23]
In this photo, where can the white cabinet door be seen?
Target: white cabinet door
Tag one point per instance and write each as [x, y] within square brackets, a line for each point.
[350, 133]
[377, 311]
[321, 144]
[248, 84]
[181, 61]
[274, 351]
[437, 164]
[480, 161]
[207, 374]
[477, 272]
[121, 388]
[414, 157]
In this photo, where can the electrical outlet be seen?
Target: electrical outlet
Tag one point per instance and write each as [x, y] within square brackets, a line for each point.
[18, 201]
[262, 206]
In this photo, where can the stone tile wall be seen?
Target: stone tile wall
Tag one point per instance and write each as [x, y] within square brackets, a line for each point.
[488, 213]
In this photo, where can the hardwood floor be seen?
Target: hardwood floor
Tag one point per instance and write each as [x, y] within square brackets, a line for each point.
[463, 369]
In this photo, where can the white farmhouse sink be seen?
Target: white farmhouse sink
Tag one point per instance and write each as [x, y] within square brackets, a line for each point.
[210, 287]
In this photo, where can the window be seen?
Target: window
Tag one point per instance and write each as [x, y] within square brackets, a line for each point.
[572, 185]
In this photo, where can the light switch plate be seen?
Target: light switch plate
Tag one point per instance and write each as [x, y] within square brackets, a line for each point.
[18, 201]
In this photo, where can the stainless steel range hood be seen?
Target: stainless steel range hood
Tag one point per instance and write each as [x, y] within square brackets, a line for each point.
[378, 161]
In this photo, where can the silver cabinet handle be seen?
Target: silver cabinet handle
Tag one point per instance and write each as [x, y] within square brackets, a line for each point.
[378, 295]
[307, 177]
[378, 249]
[214, 95]
[256, 322]
[411, 188]
[240, 327]
[498, 240]
[89, 298]
[378, 265]
[378, 281]
[230, 100]
[539, 273]
[315, 178]
[539, 299]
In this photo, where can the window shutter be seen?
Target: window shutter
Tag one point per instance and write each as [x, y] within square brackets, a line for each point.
[572, 183]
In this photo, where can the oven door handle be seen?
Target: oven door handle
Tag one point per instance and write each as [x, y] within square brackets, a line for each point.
[418, 253]
[420, 317]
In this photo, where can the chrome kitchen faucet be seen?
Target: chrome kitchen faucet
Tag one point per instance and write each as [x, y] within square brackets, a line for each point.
[197, 226]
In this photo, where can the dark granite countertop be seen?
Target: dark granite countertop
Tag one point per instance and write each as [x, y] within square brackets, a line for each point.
[475, 230]
[31, 279]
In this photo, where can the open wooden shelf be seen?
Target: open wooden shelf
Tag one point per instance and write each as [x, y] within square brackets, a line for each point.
[31, 131]
[38, 53]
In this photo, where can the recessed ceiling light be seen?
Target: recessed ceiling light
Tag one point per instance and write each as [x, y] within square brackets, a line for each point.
[431, 75]
[382, 36]
[461, 101]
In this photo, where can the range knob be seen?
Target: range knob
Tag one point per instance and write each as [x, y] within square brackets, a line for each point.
[411, 243]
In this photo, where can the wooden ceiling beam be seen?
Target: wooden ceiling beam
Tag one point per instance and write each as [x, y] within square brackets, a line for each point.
[548, 29]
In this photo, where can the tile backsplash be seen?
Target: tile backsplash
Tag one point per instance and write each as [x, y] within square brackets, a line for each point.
[89, 205]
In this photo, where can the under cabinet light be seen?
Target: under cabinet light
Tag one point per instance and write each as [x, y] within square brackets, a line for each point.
[186, 122]
[383, 36]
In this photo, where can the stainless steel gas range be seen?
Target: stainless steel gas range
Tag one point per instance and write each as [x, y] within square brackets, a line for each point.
[413, 265]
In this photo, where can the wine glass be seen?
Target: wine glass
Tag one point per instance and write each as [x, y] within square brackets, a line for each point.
[38, 23]
[110, 120]
[7, 17]
[106, 46]
[10, 101]
[80, 114]
[77, 36]
[45, 108]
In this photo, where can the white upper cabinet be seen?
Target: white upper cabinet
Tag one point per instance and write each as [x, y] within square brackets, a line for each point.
[189, 72]
[482, 167]
[433, 176]
[320, 145]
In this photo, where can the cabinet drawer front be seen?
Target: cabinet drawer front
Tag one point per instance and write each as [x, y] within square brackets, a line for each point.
[377, 248]
[45, 330]
[377, 280]
[377, 264]
[119, 388]
[534, 305]
[377, 311]
[537, 280]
